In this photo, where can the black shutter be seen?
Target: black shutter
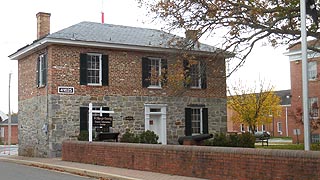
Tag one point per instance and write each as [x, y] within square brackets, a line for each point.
[83, 118]
[83, 69]
[188, 123]
[44, 71]
[105, 70]
[203, 75]
[205, 129]
[186, 69]
[37, 71]
[145, 72]
[164, 68]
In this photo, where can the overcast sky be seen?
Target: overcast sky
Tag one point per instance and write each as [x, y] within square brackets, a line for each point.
[18, 28]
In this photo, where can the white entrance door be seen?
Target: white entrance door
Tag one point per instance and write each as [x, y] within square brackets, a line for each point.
[156, 120]
[155, 125]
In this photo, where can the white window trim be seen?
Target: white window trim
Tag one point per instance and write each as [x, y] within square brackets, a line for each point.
[201, 122]
[263, 128]
[159, 86]
[100, 69]
[40, 70]
[312, 70]
[199, 80]
[278, 127]
[242, 128]
[310, 106]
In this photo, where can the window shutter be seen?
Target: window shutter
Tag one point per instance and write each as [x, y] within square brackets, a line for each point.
[164, 66]
[44, 71]
[203, 75]
[205, 129]
[105, 70]
[37, 71]
[145, 72]
[83, 118]
[186, 69]
[83, 69]
[188, 123]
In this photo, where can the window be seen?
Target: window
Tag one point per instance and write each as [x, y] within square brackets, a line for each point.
[94, 69]
[313, 107]
[312, 70]
[315, 138]
[263, 128]
[153, 72]
[195, 74]
[196, 121]
[279, 127]
[42, 70]
[242, 128]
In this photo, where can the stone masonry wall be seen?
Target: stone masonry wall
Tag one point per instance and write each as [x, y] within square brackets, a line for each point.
[65, 112]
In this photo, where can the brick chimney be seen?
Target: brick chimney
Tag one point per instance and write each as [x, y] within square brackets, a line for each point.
[43, 24]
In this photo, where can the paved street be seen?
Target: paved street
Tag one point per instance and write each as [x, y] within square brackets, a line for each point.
[14, 171]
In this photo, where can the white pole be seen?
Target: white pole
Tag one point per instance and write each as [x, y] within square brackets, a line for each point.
[90, 122]
[9, 119]
[304, 76]
[287, 134]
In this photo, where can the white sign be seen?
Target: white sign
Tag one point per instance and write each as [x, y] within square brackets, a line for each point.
[65, 90]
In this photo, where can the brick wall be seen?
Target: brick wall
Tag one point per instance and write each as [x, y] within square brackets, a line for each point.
[198, 161]
[14, 134]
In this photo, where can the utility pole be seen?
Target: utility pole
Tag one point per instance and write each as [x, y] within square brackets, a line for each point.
[9, 119]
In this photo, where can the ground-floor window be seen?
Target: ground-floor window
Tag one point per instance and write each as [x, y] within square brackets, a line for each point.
[196, 121]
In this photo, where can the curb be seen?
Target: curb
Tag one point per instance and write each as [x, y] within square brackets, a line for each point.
[72, 170]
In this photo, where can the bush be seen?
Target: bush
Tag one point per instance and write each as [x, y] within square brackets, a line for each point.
[147, 137]
[129, 137]
[83, 136]
[246, 140]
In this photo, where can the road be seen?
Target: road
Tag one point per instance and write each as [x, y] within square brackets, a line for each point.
[18, 172]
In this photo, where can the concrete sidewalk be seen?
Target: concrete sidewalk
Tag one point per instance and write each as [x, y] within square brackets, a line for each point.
[91, 170]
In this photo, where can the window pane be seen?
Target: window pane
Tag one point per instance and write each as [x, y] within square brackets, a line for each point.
[155, 71]
[94, 69]
[196, 121]
[195, 75]
[312, 70]
[313, 107]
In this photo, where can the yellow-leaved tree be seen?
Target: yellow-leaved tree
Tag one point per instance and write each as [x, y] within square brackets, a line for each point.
[253, 106]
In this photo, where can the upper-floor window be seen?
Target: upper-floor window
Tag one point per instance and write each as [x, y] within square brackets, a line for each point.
[153, 72]
[93, 69]
[196, 121]
[279, 126]
[312, 70]
[42, 70]
[195, 74]
[313, 107]
[242, 128]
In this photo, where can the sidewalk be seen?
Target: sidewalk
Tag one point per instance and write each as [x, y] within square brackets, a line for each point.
[90, 170]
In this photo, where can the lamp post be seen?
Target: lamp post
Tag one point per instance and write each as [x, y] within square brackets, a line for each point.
[9, 119]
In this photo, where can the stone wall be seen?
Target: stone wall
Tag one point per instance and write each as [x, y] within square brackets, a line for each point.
[214, 163]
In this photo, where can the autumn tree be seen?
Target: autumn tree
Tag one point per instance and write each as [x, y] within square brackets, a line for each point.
[240, 24]
[253, 106]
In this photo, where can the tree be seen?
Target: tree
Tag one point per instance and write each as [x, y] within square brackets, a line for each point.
[240, 23]
[253, 109]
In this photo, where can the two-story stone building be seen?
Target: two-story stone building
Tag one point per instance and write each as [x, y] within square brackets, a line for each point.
[113, 67]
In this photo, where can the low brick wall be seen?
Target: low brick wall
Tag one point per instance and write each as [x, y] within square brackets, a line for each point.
[198, 161]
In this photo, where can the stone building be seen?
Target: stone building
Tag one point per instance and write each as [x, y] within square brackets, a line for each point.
[113, 67]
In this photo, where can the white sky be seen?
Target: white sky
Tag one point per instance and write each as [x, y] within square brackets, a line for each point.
[18, 28]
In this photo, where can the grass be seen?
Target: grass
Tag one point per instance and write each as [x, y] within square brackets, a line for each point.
[314, 147]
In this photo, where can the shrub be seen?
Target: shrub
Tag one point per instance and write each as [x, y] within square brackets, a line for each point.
[148, 137]
[243, 140]
[129, 137]
[83, 136]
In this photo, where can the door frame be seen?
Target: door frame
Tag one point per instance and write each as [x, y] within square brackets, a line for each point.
[163, 119]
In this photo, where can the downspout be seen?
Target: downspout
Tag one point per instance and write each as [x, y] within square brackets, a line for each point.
[287, 121]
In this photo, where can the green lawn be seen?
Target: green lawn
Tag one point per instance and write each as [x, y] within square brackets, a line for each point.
[314, 147]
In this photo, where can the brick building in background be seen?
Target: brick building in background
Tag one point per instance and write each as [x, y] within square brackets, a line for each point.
[111, 66]
[294, 55]
[280, 125]
[14, 130]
